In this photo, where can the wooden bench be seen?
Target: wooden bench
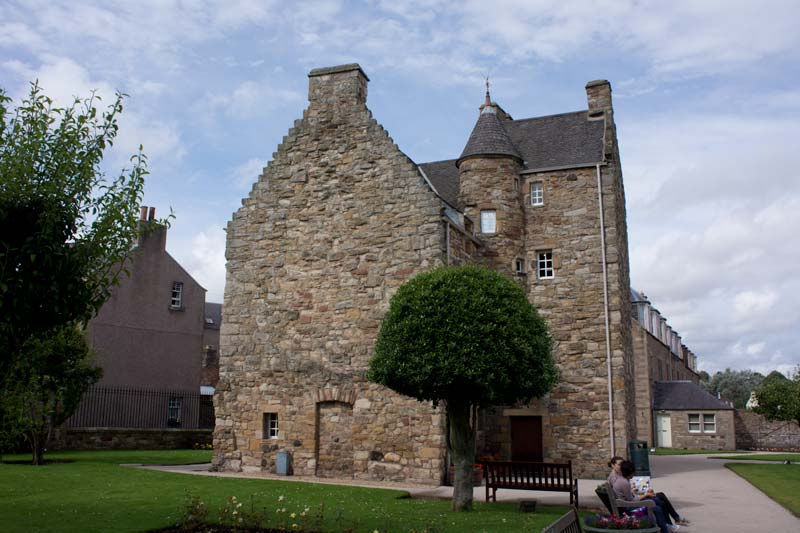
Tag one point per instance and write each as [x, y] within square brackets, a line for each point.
[554, 477]
[568, 523]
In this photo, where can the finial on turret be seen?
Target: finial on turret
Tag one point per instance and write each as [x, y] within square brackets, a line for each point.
[488, 101]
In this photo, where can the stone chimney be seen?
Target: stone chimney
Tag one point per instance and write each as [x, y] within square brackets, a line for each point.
[598, 94]
[152, 235]
[336, 86]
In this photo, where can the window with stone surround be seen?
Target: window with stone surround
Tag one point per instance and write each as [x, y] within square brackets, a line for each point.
[709, 423]
[488, 221]
[537, 193]
[702, 423]
[270, 430]
[544, 264]
[519, 266]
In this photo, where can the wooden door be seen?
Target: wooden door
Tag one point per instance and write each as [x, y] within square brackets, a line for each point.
[526, 438]
[663, 431]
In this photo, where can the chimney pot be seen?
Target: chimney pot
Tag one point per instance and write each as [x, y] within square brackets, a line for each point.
[152, 214]
[143, 213]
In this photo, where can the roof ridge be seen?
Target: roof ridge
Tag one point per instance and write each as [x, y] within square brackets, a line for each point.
[549, 116]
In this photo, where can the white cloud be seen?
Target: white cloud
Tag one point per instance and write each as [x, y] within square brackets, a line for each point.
[251, 98]
[246, 174]
[207, 261]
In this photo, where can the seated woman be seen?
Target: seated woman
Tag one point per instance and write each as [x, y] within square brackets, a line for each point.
[622, 490]
[614, 465]
[660, 497]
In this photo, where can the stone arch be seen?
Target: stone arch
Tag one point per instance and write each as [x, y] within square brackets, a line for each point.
[334, 394]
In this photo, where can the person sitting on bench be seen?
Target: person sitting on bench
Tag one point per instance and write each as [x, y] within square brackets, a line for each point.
[660, 497]
[622, 490]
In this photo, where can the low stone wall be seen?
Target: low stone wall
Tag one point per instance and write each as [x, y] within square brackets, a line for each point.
[129, 439]
[754, 432]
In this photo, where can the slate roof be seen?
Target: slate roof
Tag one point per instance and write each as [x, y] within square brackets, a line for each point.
[554, 141]
[684, 396]
[213, 315]
[489, 137]
[444, 178]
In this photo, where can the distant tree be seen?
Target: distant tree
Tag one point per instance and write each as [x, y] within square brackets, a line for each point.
[46, 385]
[466, 336]
[64, 228]
[734, 385]
[704, 377]
[779, 398]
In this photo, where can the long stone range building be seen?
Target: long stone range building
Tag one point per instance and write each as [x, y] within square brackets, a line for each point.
[341, 217]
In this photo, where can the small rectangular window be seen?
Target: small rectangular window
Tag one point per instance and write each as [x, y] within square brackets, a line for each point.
[176, 302]
[709, 424]
[519, 266]
[537, 193]
[270, 425]
[488, 221]
[516, 184]
[174, 412]
[544, 265]
[694, 423]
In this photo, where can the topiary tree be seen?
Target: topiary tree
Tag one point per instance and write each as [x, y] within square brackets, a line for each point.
[466, 336]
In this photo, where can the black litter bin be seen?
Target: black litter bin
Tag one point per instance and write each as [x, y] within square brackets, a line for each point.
[639, 455]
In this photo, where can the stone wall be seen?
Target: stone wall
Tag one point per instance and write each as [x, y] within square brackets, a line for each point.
[572, 303]
[130, 439]
[724, 438]
[643, 384]
[754, 432]
[337, 222]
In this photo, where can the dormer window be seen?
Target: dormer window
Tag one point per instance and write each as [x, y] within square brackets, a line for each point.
[176, 302]
[488, 221]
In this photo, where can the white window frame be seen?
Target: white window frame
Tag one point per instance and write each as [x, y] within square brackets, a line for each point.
[271, 426]
[537, 193]
[176, 299]
[695, 421]
[713, 422]
[488, 217]
[544, 264]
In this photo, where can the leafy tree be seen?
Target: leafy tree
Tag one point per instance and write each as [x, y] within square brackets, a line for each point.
[466, 336]
[779, 398]
[64, 228]
[47, 383]
[734, 385]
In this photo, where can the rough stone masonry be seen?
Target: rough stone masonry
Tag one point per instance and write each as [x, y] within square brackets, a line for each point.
[340, 218]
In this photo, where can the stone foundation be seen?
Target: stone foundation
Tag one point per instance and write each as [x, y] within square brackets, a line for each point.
[129, 439]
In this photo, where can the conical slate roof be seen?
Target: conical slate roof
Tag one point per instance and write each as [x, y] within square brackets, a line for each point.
[489, 137]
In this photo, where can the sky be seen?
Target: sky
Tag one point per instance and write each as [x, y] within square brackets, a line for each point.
[706, 98]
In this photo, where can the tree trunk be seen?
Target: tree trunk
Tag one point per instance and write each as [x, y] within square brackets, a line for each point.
[37, 448]
[462, 439]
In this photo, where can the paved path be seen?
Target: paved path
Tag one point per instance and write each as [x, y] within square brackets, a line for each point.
[711, 496]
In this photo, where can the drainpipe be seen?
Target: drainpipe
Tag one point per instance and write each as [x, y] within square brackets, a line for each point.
[605, 311]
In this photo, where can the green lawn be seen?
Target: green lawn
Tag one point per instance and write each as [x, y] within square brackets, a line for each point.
[678, 451]
[93, 493]
[793, 457]
[779, 482]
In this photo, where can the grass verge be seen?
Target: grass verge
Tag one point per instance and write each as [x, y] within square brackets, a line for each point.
[779, 482]
[94, 493]
[780, 457]
[678, 451]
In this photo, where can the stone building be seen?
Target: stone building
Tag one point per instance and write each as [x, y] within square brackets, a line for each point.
[341, 217]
